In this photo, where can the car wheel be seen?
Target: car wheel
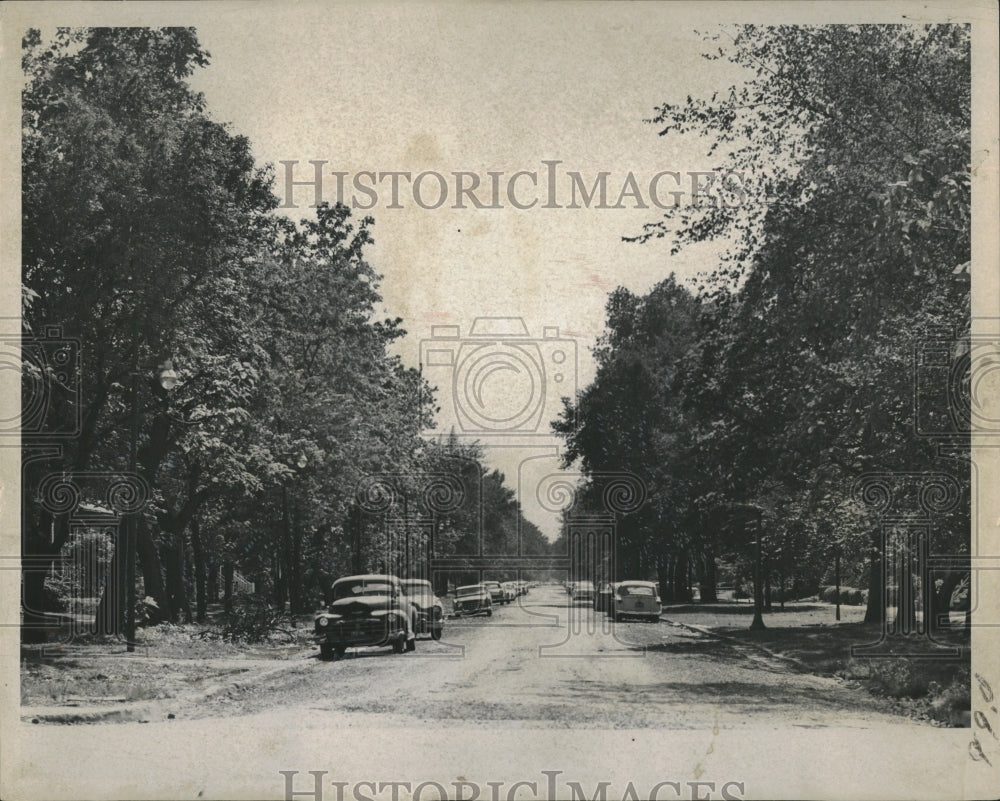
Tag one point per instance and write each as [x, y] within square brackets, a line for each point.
[411, 644]
[326, 651]
[340, 650]
[619, 618]
[399, 644]
[489, 613]
[437, 631]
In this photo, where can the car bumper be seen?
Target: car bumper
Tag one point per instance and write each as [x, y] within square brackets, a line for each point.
[470, 608]
[354, 633]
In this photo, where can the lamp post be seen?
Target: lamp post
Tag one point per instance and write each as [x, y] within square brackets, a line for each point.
[168, 379]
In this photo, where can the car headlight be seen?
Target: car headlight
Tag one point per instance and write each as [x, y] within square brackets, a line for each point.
[322, 621]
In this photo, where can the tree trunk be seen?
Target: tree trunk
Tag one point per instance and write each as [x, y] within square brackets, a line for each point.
[682, 587]
[176, 589]
[110, 617]
[663, 575]
[875, 613]
[707, 588]
[941, 601]
[152, 572]
[200, 572]
[212, 587]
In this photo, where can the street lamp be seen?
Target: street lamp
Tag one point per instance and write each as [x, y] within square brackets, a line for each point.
[167, 379]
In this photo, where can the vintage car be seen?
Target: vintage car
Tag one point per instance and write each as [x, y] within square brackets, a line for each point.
[366, 610]
[429, 609]
[510, 591]
[473, 599]
[582, 591]
[635, 599]
[497, 594]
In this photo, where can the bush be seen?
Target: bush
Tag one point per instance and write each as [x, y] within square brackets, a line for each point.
[851, 596]
[252, 620]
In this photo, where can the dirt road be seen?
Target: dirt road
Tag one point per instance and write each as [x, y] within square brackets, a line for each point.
[539, 661]
[537, 687]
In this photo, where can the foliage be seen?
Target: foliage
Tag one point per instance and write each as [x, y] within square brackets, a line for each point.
[766, 390]
[151, 236]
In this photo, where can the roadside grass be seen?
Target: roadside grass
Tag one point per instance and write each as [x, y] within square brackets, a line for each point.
[936, 689]
[170, 660]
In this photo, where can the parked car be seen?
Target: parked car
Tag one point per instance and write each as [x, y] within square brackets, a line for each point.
[497, 594]
[510, 591]
[635, 599]
[473, 599]
[582, 591]
[602, 598]
[523, 587]
[366, 610]
[429, 609]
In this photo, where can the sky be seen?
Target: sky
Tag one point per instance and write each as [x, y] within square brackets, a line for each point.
[438, 89]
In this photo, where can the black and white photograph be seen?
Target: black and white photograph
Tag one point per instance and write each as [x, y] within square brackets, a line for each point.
[571, 401]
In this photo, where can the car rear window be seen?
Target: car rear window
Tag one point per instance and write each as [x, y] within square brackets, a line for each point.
[636, 590]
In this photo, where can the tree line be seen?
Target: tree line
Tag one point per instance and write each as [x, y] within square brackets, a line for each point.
[753, 400]
[224, 364]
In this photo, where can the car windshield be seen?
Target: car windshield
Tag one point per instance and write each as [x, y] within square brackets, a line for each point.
[418, 587]
[353, 589]
[472, 589]
[493, 584]
[637, 590]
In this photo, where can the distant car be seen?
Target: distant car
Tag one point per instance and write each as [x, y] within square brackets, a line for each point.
[429, 609]
[582, 591]
[473, 599]
[523, 587]
[602, 598]
[497, 594]
[635, 599]
[368, 610]
[510, 591]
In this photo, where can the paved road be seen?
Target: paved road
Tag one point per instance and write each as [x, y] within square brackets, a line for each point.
[540, 660]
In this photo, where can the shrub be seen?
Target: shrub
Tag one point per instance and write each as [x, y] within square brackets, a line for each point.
[851, 596]
[252, 620]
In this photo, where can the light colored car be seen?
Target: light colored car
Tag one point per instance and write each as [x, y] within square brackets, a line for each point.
[365, 610]
[496, 591]
[582, 591]
[636, 599]
[473, 599]
[429, 609]
[510, 591]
